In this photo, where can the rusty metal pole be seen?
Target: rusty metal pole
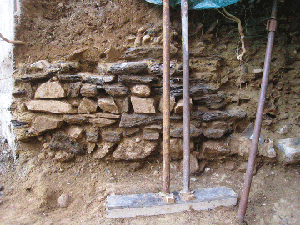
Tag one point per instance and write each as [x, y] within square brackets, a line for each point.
[166, 96]
[186, 98]
[272, 23]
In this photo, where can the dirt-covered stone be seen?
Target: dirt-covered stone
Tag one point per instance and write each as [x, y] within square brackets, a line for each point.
[50, 90]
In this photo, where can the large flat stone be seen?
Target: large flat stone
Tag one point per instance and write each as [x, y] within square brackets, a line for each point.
[134, 120]
[289, 149]
[87, 106]
[50, 106]
[116, 89]
[108, 105]
[133, 79]
[45, 123]
[101, 122]
[143, 105]
[149, 204]
[128, 68]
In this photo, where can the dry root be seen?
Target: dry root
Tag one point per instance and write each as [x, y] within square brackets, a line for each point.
[12, 42]
[240, 28]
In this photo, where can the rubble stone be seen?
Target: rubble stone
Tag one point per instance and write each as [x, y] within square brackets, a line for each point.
[72, 89]
[141, 90]
[50, 90]
[179, 106]
[108, 105]
[150, 135]
[194, 165]
[92, 135]
[289, 150]
[129, 149]
[112, 135]
[116, 90]
[89, 90]
[61, 142]
[143, 105]
[172, 104]
[128, 68]
[214, 149]
[45, 123]
[101, 122]
[103, 149]
[75, 132]
[134, 79]
[176, 148]
[134, 120]
[87, 106]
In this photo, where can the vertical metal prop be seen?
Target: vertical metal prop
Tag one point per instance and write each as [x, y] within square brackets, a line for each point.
[166, 96]
[259, 115]
[186, 98]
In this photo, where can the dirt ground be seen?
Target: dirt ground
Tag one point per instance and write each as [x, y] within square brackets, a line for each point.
[58, 30]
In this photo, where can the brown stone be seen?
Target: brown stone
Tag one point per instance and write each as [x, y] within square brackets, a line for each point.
[45, 123]
[179, 106]
[130, 131]
[172, 104]
[130, 149]
[112, 135]
[75, 132]
[214, 148]
[61, 142]
[101, 122]
[176, 148]
[194, 165]
[89, 90]
[128, 68]
[50, 106]
[240, 145]
[108, 105]
[141, 90]
[75, 119]
[143, 105]
[72, 89]
[103, 149]
[134, 120]
[176, 130]
[92, 135]
[214, 133]
[87, 106]
[50, 90]
[62, 156]
[90, 147]
[117, 90]
[134, 79]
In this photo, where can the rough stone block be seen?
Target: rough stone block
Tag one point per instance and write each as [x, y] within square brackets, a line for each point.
[108, 105]
[141, 90]
[89, 90]
[134, 120]
[289, 149]
[72, 89]
[150, 135]
[179, 106]
[45, 123]
[194, 165]
[92, 135]
[101, 122]
[172, 104]
[128, 68]
[87, 106]
[50, 90]
[61, 142]
[74, 132]
[75, 119]
[112, 135]
[116, 89]
[134, 79]
[143, 105]
[103, 149]
[69, 78]
[215, 149]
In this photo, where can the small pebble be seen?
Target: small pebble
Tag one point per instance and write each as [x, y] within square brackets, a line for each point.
[63, 201]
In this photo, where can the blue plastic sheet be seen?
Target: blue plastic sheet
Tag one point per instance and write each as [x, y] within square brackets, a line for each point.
[199, 4]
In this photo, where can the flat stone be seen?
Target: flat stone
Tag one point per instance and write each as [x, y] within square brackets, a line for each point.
[112, 135]
[38, 77]
[202, 89]
[38, 66]
[97, 79]
[176, 148]
[237, 112]
[62, 156]
[289, 150]
[157, 68]
[150, 135]
[154, 127]
[69, 78]
[129, 149]
[123, 104]
[214, 133]
[214, 149]
[179, 106]
[209, 116]
[116, 89]
[50, 90]
[144, 53]
[128, 68]
[61, 142]
[150, 204]
[72, 89]
[134, 79]
[92, 134]
[50, 106]
[176, 130]
[143, 105]
[88, 90]
[172, 104]
[103, 149]
[87, 106]
[130, 131]
[75, 119]
[108, 105]
[135, 120]
[212, 101]
[107, 115]
[45, 123]
[74, 132]
[101, 122]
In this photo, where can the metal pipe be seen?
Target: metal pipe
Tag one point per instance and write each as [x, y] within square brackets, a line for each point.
[259, 116]
[166, 96]
[186, 98]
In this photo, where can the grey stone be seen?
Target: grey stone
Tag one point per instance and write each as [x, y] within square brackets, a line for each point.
[108, 105]
[202, 89]
[38, 66]
[97, 79]
[289, 150]
[150, 135]
[61, 142]
[106, 115]
[130, 131]
[176, 130]
[214, 133]
[128, 68]
[50, 90]
[45, 123]
[72, 89]
[124, 206]
[112, 135]
[116, 89]
[38, 77]
[89, 90]
[129, 149]
[50, 106]
[212, 101]
[143, 105]
[236, 112]
[209, 116]
[134, 79]
[69, 78]
[87, 106]
[92, 134]
[134, 120]
[103, 149]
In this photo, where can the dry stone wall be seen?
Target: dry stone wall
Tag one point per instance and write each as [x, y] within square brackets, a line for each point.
[116, 112]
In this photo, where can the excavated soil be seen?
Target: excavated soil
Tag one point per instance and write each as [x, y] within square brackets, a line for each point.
[84, 31]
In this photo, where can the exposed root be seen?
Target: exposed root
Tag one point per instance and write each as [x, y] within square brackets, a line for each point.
[12, 42]
[240, 28]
